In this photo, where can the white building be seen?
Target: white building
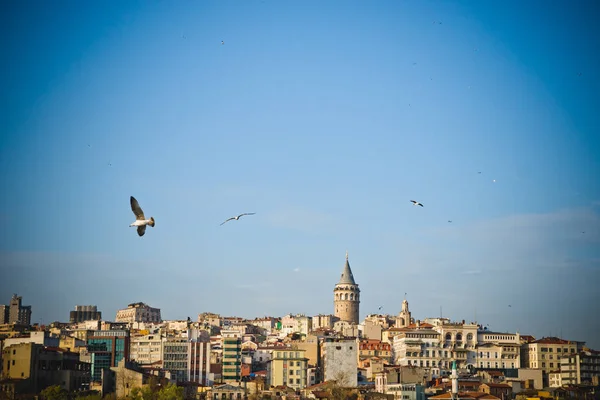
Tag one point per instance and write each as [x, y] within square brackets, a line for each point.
[138, 312]
[419, 345]
[340, 361]
[147, 349]
[266, 323]
[498, 350]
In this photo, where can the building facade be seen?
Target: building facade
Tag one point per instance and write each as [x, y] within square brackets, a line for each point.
[232, 356]
[175, 357]
[287, 367]
[346, 296]
[582, 368]
[138, 312]
[199, 362]
[106, 350]
[147, 349]
[84, 313]
[340, 361]
[18, 313]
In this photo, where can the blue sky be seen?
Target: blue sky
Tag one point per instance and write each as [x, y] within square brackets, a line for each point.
[324, 118]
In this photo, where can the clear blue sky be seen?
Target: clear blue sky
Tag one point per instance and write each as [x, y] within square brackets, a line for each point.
[324, 118]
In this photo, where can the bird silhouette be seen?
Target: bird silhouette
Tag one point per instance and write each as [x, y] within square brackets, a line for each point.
[416, 203]
[237, 217]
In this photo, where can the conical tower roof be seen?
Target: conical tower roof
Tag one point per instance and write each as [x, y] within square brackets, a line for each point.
[347, 278]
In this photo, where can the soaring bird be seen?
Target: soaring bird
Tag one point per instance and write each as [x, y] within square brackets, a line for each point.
[140, 220]
[237, 218]
[222, 42]
[416, 203]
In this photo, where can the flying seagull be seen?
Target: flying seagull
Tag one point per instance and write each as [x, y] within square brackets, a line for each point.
[222, 42]
[140, 220]
[449, 221]
[416, 203]
[238, 217]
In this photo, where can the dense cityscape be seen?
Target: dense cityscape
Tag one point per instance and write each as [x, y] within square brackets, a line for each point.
[138, 355]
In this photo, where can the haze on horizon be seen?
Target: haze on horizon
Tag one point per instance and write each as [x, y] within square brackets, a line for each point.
[323, 118]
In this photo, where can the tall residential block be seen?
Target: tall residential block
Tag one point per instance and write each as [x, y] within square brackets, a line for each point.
[18, 313]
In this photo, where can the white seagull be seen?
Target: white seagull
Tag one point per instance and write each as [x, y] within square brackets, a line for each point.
[222, 42]
[237, 217]
[416, 203]
[140, 220]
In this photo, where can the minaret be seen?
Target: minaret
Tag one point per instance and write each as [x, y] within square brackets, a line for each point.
[346, 296]
[454, 377]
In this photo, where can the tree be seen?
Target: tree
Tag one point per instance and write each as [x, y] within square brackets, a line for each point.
[54, 393]
[170, 392]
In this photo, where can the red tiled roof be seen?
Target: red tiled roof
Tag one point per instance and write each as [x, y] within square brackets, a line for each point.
[467, 395]
[551, 340]
[498, 385]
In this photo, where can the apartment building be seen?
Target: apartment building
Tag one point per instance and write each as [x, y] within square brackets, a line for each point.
[582, 368]
[33, 367]
[232, 356]
[147, 349]
[175, 357]
[545, 353]
[287, 367]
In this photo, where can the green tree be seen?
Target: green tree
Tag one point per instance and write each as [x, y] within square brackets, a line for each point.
[54, 393]
[170, 392]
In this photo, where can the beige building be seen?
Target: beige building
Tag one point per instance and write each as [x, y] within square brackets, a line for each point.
[37, 366]
[323, 321]
[310, 345]
[498, 350]
[147, 349]
[71, 343]
[346, 296]
[287, 367]
[546, 353]
[138, 312]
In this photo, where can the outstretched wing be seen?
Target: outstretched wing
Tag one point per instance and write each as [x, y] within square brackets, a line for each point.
[227, 220]
[141, 230]
[241, 215]
[420, 204]
[137, 210]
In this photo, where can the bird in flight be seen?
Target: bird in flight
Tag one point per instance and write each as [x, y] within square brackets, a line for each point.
[380, 307]
[222, 42]
[237, 217]
[449, 221]
[140, 220]
[416, 203]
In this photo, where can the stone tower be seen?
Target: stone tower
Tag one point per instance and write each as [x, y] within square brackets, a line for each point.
[404, 318]
[346, 296]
